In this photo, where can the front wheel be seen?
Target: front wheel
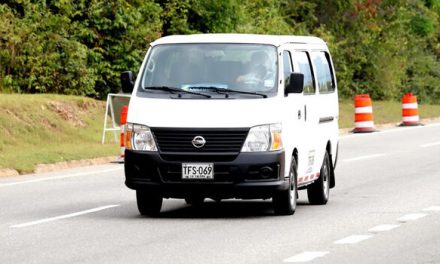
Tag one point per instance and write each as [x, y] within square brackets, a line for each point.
[149, 204]
[319, 191]
[284, 202]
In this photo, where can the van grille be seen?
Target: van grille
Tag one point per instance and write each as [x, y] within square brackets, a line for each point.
[218, 140]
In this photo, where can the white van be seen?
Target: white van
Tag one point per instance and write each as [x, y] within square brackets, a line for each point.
[232, 116]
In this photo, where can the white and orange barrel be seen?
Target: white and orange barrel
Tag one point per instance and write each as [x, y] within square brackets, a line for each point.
[410, 111]
[124, 113]
[363, 117]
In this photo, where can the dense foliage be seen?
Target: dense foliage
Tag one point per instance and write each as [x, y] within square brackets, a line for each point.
[381, 47]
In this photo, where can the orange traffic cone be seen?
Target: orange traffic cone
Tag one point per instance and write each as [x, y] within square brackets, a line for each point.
[410, 111]
[124, 113]
[363, 117]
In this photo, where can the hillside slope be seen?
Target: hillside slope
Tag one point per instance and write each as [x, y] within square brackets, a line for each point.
[50, 128]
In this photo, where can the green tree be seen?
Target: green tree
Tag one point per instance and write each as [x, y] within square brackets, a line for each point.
[77, 47]
[381, 47]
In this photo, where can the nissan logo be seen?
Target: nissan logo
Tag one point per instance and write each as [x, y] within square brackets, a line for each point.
[198, 142]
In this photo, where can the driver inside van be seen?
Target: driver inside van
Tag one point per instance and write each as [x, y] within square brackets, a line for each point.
[256, 69]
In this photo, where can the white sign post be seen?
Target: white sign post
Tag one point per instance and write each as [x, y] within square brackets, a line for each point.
[114, 127]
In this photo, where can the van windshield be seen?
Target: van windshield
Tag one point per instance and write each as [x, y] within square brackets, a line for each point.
[220, 70]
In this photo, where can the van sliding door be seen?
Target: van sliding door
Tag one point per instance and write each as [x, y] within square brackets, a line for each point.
[302, 64]
[327, 100]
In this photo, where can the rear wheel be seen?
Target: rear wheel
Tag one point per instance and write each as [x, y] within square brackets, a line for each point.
[149, 204]
[319, 191]
[284, 202]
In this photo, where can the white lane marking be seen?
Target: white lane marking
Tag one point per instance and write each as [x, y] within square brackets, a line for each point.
[411, 217]
[365, 157]
[58, 177]
[432, 209]
[306, 256]
[45, 220]
[353, 239]
[430, 144]
[382, 228]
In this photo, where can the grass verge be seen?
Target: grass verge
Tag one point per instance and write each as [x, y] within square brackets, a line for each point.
[384, 112]
[50, 128]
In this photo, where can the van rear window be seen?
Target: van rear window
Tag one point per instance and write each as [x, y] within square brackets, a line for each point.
[326, 82]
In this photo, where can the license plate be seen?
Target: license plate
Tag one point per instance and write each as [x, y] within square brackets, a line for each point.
[196, 171]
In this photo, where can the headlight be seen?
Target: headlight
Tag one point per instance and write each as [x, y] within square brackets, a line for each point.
[263, 138]
[139, 137]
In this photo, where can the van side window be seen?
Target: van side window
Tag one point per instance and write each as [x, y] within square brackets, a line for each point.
[303, 61]
[326, 83]
[287, 66]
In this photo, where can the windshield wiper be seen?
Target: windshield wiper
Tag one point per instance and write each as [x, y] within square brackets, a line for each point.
[174, 90]
[226, 91]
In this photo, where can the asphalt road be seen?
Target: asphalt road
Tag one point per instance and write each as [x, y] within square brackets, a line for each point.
[385, 209]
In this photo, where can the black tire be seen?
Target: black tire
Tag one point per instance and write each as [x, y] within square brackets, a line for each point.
[319, 191]
[284, 203]
[149, 204]
[195, 200]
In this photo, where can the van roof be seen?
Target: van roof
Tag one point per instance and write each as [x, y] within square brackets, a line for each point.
[275, 40]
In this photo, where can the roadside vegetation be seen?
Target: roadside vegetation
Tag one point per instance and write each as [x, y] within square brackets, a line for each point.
[384, 48]
[384, 112]
[51, 128]
[381, 47]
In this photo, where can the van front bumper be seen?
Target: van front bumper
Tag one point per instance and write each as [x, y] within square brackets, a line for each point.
[247, 176]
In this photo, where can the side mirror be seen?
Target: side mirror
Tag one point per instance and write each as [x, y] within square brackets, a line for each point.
[127, 82]
[295, 84]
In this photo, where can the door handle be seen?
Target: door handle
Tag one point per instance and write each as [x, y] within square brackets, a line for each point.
[305, 112]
